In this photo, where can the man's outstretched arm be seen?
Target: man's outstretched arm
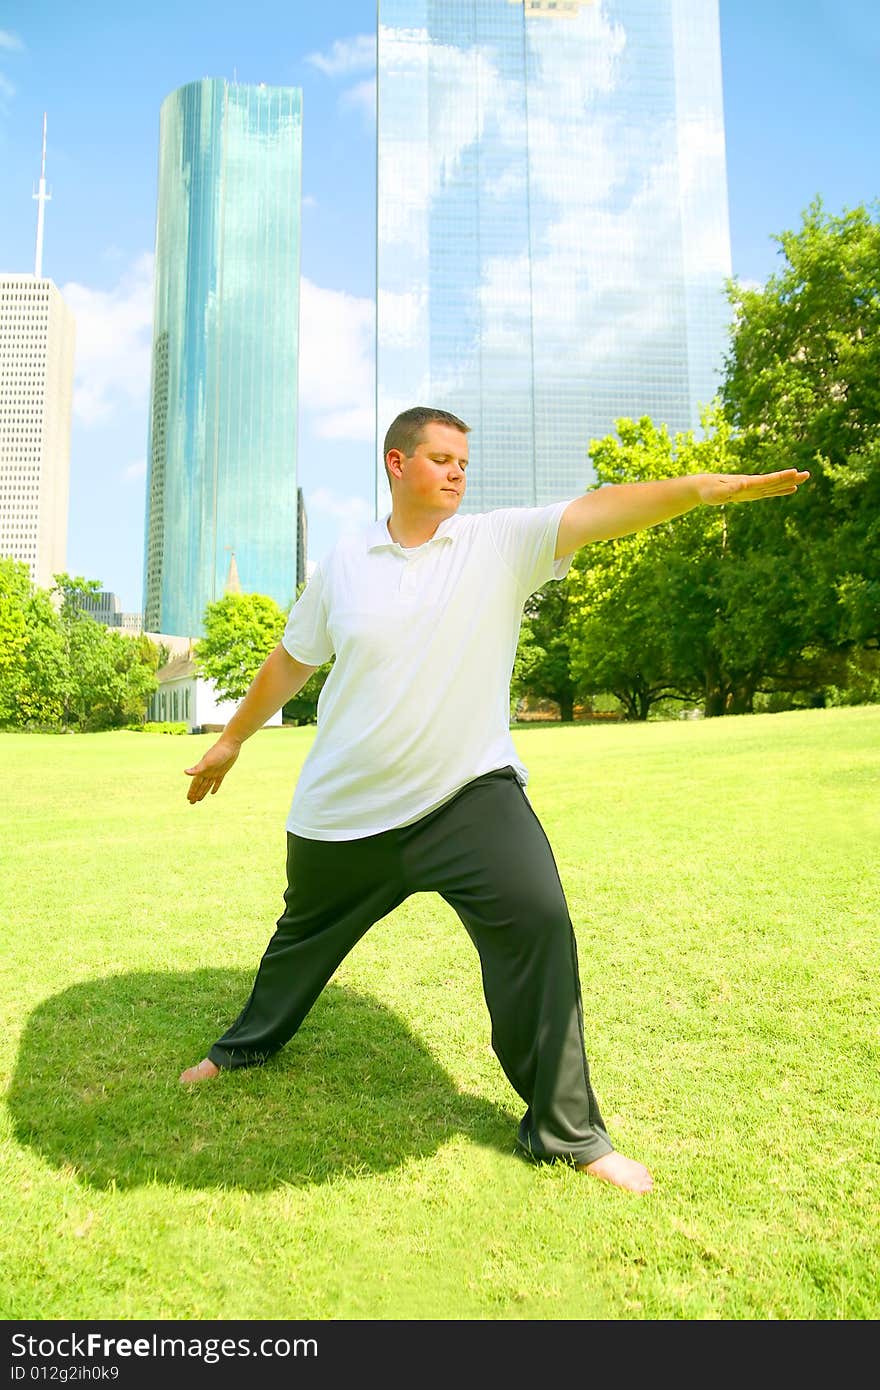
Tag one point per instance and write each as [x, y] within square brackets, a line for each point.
[619, 509]
[279, 678]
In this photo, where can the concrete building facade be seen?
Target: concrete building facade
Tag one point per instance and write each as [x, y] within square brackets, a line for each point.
[36, 396]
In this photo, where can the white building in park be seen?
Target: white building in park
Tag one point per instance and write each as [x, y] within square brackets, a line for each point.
[186, 696]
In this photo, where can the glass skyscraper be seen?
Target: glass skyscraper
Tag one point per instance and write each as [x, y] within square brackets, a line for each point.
[552, 227]
[222, 450]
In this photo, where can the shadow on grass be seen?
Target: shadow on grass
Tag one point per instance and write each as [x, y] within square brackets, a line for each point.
[95, 1089]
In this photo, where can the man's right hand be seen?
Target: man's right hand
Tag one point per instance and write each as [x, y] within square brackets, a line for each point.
[213, 767]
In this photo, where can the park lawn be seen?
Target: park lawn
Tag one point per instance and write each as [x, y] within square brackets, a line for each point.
[724, 882]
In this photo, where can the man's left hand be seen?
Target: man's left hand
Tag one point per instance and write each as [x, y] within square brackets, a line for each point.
[717, 488]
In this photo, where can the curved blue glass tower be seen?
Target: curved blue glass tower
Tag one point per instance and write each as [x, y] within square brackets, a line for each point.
[222, 448]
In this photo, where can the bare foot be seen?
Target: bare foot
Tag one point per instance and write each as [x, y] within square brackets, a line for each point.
[622, 1172]
[203, 1071]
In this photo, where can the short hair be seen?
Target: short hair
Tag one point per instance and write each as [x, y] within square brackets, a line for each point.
[405, 432]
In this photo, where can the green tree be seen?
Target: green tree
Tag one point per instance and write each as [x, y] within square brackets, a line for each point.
[649, 602]
[240, 632]
[104, 678]
[85, 662]
[677, 611]
[15, 587]
[33, 654]
[543, 665]
[137, 659]
[57, 664]
[619, 640]
[576, 638]
[802, 389]
[42, 694]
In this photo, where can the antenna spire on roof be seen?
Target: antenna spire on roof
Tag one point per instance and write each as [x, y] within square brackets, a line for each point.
[42, 198]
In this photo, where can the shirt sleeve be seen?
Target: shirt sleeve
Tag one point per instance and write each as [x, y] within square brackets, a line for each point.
[306, 637]
[525, 538]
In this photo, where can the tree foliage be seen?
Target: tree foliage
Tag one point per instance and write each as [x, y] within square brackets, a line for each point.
[14, 594]
[678, 610]
[779, 600]
[543, 659]
[647, 626]
[604, 628]
[803, 390]
[59, 666]
[42, 696]
[240, 632]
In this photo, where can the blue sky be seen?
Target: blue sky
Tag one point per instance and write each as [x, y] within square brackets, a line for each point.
[801, 100]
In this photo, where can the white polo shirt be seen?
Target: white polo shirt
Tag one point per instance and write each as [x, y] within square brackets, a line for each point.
[418, 700]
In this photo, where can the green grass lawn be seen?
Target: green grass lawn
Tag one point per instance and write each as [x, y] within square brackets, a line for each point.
[724, 881]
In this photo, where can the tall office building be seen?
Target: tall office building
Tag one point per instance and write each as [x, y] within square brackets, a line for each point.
[106, 608]
[552, 227]
[36, 395]
[222, 434]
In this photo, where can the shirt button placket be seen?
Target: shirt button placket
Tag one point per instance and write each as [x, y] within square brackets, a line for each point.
[408, 579]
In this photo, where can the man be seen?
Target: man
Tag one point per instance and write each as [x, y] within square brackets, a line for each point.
[413, 783]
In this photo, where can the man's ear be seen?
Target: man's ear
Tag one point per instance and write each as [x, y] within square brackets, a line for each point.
[393, 464]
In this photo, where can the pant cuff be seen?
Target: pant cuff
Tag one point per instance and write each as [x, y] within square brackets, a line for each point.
[587, 1152]
[234, 1059]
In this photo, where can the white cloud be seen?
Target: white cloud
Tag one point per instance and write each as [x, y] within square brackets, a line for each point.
[309, 201]
[138, 469]
[349, 513]
[346, 55]
[336, 367]
[7, 91]
[113, 342]
[361, 98]
[10, 41]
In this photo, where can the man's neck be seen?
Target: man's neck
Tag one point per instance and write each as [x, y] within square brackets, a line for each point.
[411, 531]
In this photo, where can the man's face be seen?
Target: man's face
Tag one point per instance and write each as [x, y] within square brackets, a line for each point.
[433, 478]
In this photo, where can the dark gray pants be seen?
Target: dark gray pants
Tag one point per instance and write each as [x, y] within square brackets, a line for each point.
[486, 853]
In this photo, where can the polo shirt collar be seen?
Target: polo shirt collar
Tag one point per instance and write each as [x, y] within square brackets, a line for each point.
[379, 537]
